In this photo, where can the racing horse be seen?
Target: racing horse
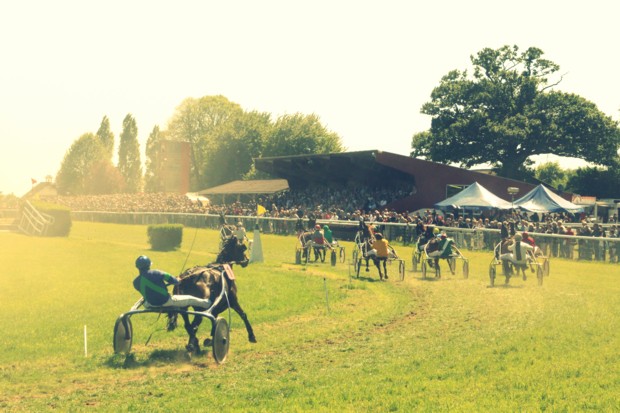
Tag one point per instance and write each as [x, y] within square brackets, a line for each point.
[206, 282]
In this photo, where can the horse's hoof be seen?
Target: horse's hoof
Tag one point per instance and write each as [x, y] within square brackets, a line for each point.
[208, 342]
[253, 339]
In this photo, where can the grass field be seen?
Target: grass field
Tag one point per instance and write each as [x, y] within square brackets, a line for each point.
[420, 345]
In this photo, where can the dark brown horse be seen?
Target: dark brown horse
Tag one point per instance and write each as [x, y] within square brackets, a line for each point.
[206, 282]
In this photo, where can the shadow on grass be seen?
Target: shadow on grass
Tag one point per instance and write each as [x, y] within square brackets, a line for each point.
[429, 278]
[505, 286]
[157, 357]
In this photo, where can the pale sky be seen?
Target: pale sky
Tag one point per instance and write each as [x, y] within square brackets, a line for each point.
[365, 68]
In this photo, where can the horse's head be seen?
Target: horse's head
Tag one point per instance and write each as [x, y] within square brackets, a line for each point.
[233, 251]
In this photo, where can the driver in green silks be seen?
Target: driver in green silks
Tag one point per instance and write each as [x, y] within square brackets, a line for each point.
[152, 285]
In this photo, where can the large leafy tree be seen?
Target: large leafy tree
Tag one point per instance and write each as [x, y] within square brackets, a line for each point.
[300, 134]
[84, 155]
[129, 163]
[153, 179]
[507, 112]
[230, 157]
[106, 136]
[198, 122]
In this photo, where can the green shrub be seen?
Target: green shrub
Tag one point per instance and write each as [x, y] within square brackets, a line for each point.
[165, 237]
[61, 227]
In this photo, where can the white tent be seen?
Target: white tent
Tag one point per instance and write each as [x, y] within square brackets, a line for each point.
[541, 199]
[474, 196]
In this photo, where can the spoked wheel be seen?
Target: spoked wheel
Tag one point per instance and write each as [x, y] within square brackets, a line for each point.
[343, 255]
[401, 269]
[298, 256]
[358, 266]
[221, 340]
[539, 274]
[492, 273]
[546, 267]
[465, 269]
[333, 258]
[424, 264]
[306, 255]
[355, 257]
[123, 335]
[415, 262]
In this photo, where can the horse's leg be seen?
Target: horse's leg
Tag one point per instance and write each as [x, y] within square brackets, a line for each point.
[192, 344]
[378, 265]
[234, 304]
[385, 268]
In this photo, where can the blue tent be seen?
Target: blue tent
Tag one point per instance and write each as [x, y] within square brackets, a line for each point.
[474, 196]
[541, 199]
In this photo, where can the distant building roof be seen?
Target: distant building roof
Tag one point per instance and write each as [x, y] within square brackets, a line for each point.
[259, 186]
[41, 190]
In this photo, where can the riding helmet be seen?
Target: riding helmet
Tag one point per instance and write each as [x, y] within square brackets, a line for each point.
[143, 262]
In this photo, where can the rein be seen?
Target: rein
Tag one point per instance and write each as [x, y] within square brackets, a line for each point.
[190, 250]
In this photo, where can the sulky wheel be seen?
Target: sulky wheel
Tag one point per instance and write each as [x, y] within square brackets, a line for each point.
[492, 273]
[401, 269]
[355, 256]
[306, 255]
[123, 335]
[539, 274]
[358, 266]
[465, 269]
[343, 255]
[546, 267]
[221, 340]
[414, 261]
[424, 264]
[333, 258]
[297, 256]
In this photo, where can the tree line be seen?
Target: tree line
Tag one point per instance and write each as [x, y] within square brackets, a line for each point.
[223, 141]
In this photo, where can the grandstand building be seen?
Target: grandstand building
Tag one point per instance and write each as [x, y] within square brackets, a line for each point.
[425, 182]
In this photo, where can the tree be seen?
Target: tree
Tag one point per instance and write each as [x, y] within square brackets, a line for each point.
[240, 140]
[551, 173]
[104, 178]
[197, 121]
[78, 163]
[153, 179]
[595, 181]
[106, 137]
[301, 135]
[129, 163]
[507, 113]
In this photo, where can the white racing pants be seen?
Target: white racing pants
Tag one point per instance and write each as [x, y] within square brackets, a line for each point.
[184, 301]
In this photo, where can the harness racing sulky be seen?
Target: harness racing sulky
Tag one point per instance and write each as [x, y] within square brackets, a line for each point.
[216, 282]
[368, 246]
[516, 257]
[440, 248]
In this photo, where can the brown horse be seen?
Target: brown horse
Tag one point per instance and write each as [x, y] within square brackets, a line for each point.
[206, 282]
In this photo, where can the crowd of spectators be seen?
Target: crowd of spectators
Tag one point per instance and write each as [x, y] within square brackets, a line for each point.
[370, 205]
[146, 202]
